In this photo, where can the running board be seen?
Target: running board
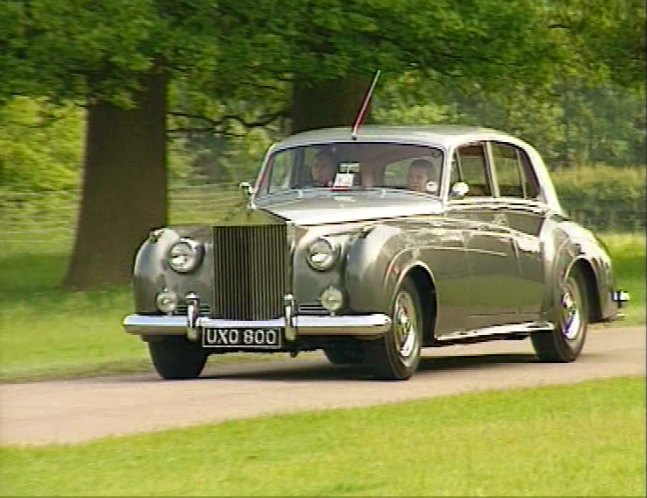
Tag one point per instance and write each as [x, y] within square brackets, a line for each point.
[498, 330]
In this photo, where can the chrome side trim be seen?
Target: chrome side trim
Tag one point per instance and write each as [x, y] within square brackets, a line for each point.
[353, 325]
[515, 328]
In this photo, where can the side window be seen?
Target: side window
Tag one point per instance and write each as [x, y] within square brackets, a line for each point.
[279, 174]
[513, 172]
[469, 166]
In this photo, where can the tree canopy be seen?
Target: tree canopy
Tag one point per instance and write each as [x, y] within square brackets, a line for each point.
[226, 67]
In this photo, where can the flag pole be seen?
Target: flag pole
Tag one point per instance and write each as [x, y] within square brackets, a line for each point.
[364, 107]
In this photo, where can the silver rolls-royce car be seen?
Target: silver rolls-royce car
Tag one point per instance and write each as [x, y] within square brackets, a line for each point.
[372, 245]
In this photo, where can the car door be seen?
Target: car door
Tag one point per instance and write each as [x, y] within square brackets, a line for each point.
[492, 259]
[518, 196]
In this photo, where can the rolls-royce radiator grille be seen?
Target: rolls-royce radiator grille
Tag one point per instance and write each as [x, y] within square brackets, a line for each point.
[250, 271]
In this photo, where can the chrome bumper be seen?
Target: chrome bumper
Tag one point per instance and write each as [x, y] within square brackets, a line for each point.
[300, 325]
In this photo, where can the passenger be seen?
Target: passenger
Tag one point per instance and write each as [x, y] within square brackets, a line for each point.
[323, 170]
[419, 175]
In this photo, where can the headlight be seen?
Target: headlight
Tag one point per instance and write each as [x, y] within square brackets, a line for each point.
[185, 255]
[323, 253]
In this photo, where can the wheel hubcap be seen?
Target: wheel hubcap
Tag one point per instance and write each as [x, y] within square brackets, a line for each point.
[571, 313]
[405, 330]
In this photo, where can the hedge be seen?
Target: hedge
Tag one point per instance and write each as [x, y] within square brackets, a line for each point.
[604, 197]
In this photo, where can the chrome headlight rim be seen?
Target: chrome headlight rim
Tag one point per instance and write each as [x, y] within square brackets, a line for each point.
[323, 253]
[185, 255]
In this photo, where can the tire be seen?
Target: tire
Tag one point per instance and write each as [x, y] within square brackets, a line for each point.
[175, 357]
[565, 342]
[396, 355]
[346, 353]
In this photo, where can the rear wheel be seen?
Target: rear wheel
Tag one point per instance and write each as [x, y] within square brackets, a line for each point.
[396, 355]
[565, 343]
[175, 357]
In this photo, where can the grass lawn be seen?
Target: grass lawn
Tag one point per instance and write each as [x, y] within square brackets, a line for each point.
[47, 332]
[586, 439]
[628, 253]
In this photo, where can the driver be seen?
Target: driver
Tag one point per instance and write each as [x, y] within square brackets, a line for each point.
[323, 170]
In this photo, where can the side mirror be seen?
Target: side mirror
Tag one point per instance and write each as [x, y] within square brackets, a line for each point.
[247, 190]
[459, 190]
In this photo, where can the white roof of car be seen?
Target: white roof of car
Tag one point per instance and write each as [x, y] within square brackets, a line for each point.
[443, 136]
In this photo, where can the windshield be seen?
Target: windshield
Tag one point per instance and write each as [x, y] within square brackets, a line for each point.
[355, 165]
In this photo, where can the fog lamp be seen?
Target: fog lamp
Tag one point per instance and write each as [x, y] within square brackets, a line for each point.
[332, 299]
[166, 301]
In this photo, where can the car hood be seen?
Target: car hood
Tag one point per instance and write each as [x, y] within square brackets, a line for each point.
[347, 208]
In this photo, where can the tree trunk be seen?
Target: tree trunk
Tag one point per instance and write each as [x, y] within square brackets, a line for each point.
[124, 187]
[327, 103]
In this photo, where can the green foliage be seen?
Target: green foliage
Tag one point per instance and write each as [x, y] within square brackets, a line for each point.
[582, 440]
[508, 65]
[99, 50]
[212, 159]
[569, 122]
[590, 192]
[601, 124]
[607, 36]
[628, 255]
[40, 145]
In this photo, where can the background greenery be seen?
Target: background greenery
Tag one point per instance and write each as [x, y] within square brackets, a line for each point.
[212, 83]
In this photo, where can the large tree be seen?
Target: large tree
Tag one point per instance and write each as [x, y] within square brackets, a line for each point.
[309, 59]
[115, 59]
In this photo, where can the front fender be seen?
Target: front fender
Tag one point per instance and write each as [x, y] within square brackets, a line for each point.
[376, 264]
[151, 272]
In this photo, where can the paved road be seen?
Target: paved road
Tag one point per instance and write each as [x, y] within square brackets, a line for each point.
[70, 411]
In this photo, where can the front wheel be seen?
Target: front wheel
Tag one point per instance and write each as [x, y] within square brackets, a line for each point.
[565, 343]
[345, 353]
[175, 357]
[396, 355]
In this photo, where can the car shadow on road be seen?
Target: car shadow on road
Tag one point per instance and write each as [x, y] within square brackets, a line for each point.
[325, 372]
[448, 363]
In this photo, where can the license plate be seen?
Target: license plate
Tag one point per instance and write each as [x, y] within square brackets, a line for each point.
[242, 338]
